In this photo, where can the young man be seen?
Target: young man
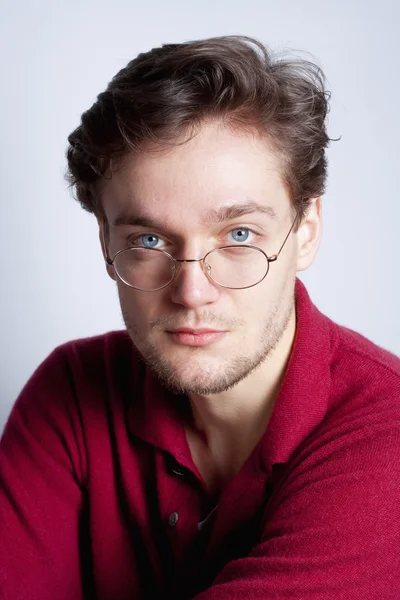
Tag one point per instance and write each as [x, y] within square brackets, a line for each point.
[233, 442]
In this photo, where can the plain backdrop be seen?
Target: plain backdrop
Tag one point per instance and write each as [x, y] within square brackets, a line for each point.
[56, 56]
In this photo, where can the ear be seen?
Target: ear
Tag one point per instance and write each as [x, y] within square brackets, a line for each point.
[103, 241]
[309, 235]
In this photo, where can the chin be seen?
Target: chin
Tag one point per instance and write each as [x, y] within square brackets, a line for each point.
[198, 374]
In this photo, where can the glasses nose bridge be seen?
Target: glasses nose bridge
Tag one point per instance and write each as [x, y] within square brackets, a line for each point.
[191, 260]
[183, 260]
[204, 267]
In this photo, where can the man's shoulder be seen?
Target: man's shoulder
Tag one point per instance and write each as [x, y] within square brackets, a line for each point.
[90, 373]
[117, 340]
[355, 347]
[363, 371]
[338, 346]
[108, 355]
[357, 404]
[89, 363]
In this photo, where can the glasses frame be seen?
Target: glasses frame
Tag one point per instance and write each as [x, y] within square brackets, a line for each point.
[176, 261]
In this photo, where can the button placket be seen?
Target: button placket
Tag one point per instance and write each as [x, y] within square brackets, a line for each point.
[178, 518]
[174, 469]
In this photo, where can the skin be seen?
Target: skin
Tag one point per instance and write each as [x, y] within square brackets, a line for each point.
[231, 384]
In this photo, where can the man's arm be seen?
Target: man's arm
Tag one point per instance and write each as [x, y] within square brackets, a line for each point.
[42, 470]
[333, 531]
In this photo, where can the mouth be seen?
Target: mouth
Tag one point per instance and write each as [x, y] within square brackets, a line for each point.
[187, 336]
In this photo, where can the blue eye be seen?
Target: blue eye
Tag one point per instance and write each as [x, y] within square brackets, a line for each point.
[149, 240]
[240, 234]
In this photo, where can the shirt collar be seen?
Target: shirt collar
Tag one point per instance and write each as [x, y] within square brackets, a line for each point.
[303, 398]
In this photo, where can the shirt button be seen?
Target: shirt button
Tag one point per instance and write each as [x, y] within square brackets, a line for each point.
[173, 519]
[178, 471]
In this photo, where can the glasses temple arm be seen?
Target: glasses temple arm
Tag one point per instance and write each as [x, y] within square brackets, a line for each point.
[274, 257]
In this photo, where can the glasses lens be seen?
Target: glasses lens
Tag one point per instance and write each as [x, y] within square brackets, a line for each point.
[144, 268]
[237, 266]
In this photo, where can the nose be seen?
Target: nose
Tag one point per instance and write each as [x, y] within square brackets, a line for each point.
[191, 287]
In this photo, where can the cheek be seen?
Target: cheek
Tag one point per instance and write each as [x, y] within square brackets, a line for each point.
[132, 303]
[141, 307]
[260, 302]
[251, 306]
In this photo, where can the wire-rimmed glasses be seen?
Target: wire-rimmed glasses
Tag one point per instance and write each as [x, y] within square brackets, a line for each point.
[234, 267]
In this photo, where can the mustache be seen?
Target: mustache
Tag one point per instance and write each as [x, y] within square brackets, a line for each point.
[185, 319]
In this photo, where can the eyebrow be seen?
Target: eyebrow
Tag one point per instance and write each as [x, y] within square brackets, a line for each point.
[238, 210]
[220, 215]
[138, 220]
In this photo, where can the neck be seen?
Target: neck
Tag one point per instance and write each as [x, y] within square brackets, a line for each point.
[227, 426]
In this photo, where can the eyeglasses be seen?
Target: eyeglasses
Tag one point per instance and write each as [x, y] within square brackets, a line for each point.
[233, 267]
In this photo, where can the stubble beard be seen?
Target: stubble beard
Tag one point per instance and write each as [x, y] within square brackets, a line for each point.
[218, 379]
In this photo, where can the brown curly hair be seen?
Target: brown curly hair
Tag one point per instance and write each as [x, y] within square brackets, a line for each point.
[169, 91]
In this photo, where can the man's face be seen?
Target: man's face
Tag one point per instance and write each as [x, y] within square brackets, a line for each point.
[182, 191]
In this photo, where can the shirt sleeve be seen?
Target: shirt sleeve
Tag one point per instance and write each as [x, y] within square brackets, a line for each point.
[41, 489]
[332, 530]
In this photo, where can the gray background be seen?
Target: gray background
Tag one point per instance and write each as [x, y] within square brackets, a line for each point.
[57, 56]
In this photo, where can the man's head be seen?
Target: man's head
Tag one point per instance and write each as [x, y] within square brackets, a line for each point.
[194, 147]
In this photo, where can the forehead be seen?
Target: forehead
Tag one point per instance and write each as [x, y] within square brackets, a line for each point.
[218, 167]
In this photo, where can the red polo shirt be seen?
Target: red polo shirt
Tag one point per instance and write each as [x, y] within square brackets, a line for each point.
[100, 497]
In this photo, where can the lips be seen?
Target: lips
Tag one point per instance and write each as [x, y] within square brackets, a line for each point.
[195, 331]
[187, 336]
